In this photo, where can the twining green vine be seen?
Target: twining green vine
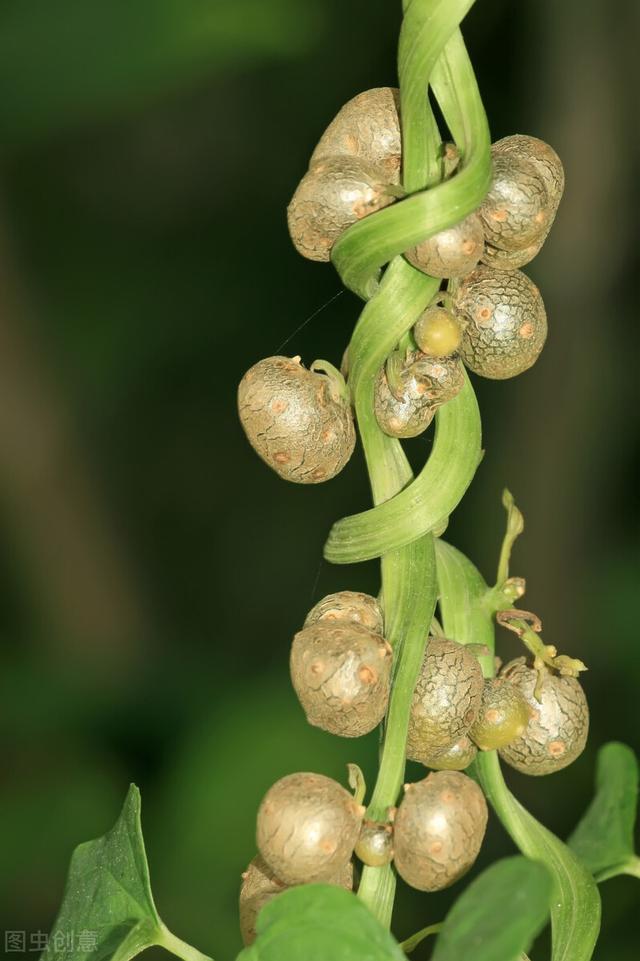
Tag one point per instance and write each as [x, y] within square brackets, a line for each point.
[430, 234]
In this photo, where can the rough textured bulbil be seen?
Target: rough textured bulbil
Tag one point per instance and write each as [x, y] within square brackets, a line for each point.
[295, 420]
[438, 830]
[332, 196]
[367, 127]
[451, 253]
[542, 157]
[456, 758]
[506, 323]
[341, 673]
[307, 828]
[503, 715]
[437, 332]
[557, 730]
[375, 844]
[353, 606]
[516, 211]
[425, 383]
[548, 166]
[260, 885]
[511, 259]
[445, 701]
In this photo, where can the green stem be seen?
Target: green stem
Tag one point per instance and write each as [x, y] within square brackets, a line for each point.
[412, 943]
[179, 947]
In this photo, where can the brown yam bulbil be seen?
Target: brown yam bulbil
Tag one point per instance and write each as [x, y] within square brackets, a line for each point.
[424, 383]
[295, 420]
[547, 164]
[559, 723]
[511, 259]
[456, 758]
[516, 211]
[506, 323]
[307, 828]
[348, 606]
[260, 885]
[438, 830]
[368, 128]
[332, 196]
[541, 157]
[445, 701]
[375, 844]
[437, 332]
[503, 715]
[450, 253]
[341, 674]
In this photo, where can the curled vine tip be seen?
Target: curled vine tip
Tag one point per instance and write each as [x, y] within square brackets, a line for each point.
[357, 783]
[515, 527]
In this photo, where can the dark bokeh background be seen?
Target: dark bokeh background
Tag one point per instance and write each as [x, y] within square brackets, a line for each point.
[152, 570]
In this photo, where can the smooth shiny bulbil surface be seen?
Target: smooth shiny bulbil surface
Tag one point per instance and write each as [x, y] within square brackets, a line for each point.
[455, 758]
[438, 830]
[437, 332]
[375, 844]
[504, 714]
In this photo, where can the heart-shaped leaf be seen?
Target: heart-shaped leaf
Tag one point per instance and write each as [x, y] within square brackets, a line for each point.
[603, 839]
[317, 922]
[108, 910]
[498, 915]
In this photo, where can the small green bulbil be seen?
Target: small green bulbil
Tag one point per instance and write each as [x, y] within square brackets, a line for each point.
[375, 844]
[455, 758]
[503, 715]
[437, 332]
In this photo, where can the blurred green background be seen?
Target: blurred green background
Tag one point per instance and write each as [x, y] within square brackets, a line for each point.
[152, 569]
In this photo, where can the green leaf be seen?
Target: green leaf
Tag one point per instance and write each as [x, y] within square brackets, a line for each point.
[317, 922]
[69, 61]
[498, 915]
[575, 904]
[603, 839]
[108, 908]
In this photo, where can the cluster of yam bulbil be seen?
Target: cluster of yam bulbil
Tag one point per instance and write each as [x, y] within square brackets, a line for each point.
[488, 317]
[309, 826]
